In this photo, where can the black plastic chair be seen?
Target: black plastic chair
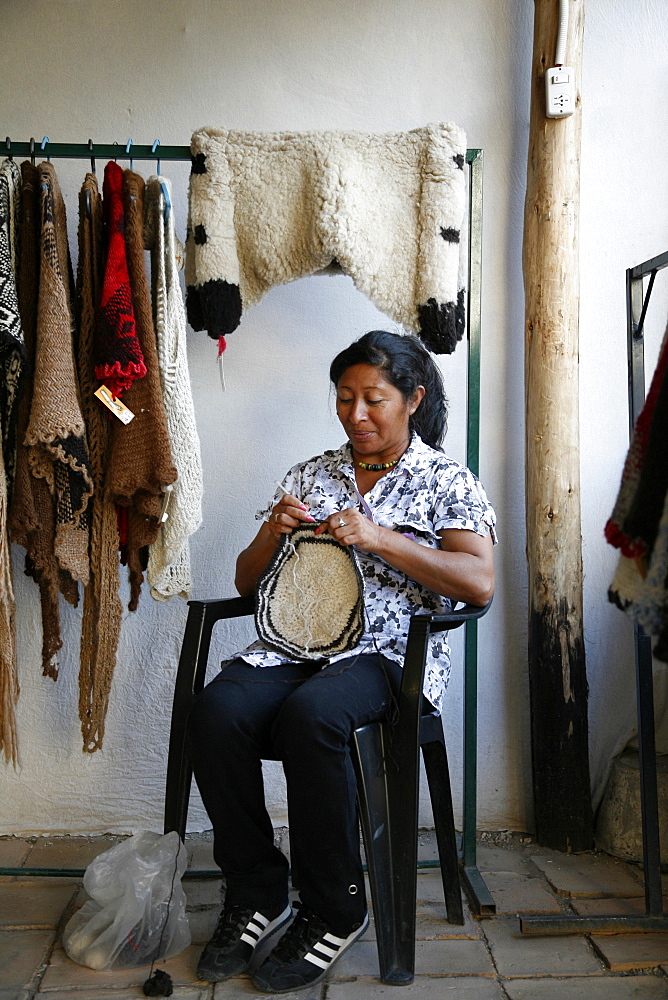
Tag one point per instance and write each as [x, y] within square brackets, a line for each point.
[388, 783]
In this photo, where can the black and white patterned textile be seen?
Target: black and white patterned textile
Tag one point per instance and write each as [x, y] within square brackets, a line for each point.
[309, 601]
[12, 344]
[425, 493]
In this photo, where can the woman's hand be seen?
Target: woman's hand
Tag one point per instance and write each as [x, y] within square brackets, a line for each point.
[288, 514]
[350, 527]
[461, 568]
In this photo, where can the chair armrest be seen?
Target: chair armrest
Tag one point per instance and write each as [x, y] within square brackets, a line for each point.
[202, 616]
[421, 627]
[228, 607]
[447, 620]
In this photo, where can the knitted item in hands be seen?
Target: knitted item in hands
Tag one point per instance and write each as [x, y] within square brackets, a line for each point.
[118, 355]
[310, 598]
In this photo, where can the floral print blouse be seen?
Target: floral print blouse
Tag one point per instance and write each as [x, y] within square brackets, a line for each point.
[424, 493]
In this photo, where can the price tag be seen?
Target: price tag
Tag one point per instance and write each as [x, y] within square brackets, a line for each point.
[117, 407]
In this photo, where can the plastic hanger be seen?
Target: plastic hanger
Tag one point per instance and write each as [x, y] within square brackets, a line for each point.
[127, 150]
[45, 142]
[8, 144]
[153, 149]
[168, 202]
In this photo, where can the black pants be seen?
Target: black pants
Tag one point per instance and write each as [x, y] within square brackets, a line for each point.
[303, 715]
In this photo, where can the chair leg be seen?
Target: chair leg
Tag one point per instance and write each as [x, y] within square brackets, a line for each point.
[367, 757]
[179, 778]
[403, 789]
[438, 777]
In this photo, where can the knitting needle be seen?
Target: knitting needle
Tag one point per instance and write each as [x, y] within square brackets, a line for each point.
[286, 493]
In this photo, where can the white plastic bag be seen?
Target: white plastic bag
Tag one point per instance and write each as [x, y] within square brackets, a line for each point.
[137, 910]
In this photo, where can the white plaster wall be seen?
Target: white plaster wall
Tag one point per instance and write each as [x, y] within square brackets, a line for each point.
[114, 70]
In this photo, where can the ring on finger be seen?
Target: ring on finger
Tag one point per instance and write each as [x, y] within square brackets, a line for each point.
[275, 517]
[342, 523]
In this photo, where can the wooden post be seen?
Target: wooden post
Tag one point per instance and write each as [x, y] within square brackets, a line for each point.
[557, 672]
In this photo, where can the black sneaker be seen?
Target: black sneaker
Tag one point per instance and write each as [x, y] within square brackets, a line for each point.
[238, 932]
[304, 955]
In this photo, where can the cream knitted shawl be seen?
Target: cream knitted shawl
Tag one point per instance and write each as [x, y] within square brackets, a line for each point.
[267, 208]
[168, 570]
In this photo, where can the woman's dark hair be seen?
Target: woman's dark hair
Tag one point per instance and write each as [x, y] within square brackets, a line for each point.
[406, 364]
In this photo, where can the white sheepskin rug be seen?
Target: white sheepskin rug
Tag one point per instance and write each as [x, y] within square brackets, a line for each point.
[388, 210]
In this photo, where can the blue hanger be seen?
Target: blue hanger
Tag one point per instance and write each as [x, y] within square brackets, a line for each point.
[168, 202]
[127, 150]
[44, 142]
[153, 149]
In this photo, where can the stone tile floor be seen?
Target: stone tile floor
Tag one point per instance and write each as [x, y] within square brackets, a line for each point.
[485, 959]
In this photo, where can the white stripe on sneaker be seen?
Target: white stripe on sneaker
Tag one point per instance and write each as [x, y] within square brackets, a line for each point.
[314, 960]
[260, 926]
[329, 947]
[321, 948]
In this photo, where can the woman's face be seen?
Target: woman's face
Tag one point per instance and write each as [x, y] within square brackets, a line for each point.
[373, 412]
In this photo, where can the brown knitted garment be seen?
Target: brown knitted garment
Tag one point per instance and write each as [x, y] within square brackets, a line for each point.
[140, 460]
[102, 608]
[9, 682]
[32, 520]
[56, 433]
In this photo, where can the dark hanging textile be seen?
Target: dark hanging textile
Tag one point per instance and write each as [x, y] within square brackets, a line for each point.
[12, 342]
[33, 512]
[102, 608]
[639, 522]
[118, 355]
[140, 463]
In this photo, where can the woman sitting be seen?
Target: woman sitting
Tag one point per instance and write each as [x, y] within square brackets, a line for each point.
[423, 531]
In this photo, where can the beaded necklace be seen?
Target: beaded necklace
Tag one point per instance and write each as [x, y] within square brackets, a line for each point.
[368, 467]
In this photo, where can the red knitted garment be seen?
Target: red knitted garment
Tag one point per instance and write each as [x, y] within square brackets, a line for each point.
[634, 522]
[118, 357]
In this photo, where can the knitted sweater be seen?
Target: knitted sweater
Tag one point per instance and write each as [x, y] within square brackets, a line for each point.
[140, 462]
[102, 607]
[639, 522]
[169, 556]
[55, 434]
[12, 345]
[32, 518]
[9, 683]
[118, 356]
[388, 210]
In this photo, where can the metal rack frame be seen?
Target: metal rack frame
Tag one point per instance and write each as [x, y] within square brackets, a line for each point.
[653, 919]
[479, 895]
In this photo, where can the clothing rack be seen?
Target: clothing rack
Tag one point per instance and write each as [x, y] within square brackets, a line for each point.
[479, 895]
[653, 919]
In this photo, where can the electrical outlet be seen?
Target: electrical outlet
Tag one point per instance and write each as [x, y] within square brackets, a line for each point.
[559, 92]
